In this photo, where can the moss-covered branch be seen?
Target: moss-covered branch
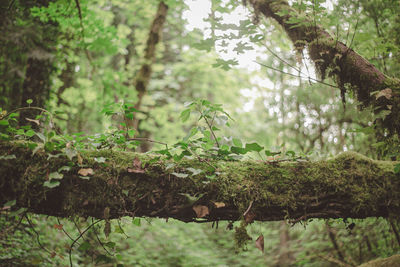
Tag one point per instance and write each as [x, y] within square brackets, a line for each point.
[128, 184]
[335, 59]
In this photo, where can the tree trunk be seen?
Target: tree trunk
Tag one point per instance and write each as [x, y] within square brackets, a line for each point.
[143, 77]
[129, 184]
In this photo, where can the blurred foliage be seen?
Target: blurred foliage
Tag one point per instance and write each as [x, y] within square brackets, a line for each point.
[79, 69]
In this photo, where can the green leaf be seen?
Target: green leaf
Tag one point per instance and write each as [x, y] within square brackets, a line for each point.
[185, 115]
[29, 101]
[41, 136]
[178, 157]
[225, 64]
[131, 133]
[17, 212]
[253, 147]
[64, 168]
[8, 157]
[103, 258]
[84, 246]
[238, 150]
[56, 175]
[192, 132]
[191, 199]
[397, 168]
[206, 45]
[30, 133]
[211, 177]
[194, 171]
[290, 153]
[169, 166]
[51, 183]
[118, 230]
[10, 203]
[110, 244]
[32, 146]
[136, 221]
[100, 159]
[237, 142]
[180, 175]
[4, 122]
[271, 154]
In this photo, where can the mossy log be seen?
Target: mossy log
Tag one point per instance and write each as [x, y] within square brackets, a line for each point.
[128, 184]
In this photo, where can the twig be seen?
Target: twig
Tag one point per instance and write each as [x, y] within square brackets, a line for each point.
[248, 209]
[36, 108]
[37, 235]
[120, 227]
[354, 33]
[147, 140]
[200, 159]
[78, 6]
[76, 240]
[26, 108]
[297, 76]
[101, 243]
[212, 132]
[65, 232]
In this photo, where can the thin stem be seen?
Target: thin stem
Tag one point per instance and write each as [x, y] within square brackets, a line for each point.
[65, 232]
[148, 140]
[297, 76]
[212, 132]
[76, 240]
[37, 235]
[200, 159]
[101, 243]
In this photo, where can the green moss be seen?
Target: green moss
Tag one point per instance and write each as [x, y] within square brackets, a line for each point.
[241, 237]
[392, 83]
[387, 262]
[283, 188]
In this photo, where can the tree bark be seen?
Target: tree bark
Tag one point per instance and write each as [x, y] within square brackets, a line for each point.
[143, 77]
[335, 59]
[129, 184]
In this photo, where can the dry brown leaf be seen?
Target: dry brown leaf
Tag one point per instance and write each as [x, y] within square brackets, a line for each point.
[85, 172]
[260, 243]
[385, 92]
[249, 217]
[135, 170]
[58, 226]
[219, 204]
[137, 163]
[107, 228]
[201, 211]
[35, 121]
[137, 166]
[53, 254]
[80, 159]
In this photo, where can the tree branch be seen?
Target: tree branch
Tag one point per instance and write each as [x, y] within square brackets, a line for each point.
[334, 59]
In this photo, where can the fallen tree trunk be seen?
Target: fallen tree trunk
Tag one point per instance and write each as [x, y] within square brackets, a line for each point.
[129, 184]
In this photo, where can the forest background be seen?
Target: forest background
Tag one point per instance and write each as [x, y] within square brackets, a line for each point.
[125, 73]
